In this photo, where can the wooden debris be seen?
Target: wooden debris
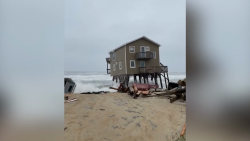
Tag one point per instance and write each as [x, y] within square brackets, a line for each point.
[183, 130]
[71, 100]
[174, 98]
[177, 91]
[137, 89]
[113, 88]
[99, 92]
[145, 92]
[182, 82]
[121, 88]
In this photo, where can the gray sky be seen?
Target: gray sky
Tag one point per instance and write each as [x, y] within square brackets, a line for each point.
[95, 27]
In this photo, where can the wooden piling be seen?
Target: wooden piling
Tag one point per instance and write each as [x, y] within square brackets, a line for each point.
[144, 79]
[155, 77]
[167, 77]
[139, 78]
[152, 77]
[127, 82]
[160, 80]
[165, 81]
[135, 78]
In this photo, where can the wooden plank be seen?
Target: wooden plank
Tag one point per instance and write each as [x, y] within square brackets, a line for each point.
[183, 129]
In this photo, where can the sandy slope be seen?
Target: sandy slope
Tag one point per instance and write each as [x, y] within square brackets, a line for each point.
[119, 117]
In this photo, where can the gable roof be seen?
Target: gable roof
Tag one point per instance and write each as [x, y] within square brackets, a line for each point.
[143, 37]
[69, 80]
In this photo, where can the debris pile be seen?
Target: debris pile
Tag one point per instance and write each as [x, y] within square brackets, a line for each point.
[174, 92]
[178, 89]
[68, 100]
[121, 88]
[136, 89]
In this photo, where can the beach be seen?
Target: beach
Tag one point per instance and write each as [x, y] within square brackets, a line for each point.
[118, 117]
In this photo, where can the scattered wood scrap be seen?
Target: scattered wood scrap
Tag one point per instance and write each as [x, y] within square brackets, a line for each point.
[182, 82]
[70, 100]
[180, 91]
[183, 130]
[140, 89]
[174, 92]
[99, 92]
[121, 88]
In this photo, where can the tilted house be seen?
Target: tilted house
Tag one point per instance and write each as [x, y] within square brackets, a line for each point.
[139, 57]
[69, 85]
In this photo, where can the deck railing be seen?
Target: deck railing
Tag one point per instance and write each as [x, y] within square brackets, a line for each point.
[144, 55]
[108, 71]
[153, 69]
[108, 60]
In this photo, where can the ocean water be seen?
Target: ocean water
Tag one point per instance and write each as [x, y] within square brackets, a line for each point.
[101, 81]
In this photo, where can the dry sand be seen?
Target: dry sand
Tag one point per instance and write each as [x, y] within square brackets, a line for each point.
[119, 117]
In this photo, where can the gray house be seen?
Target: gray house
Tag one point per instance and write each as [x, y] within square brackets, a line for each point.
[69, 85]
[139, 57]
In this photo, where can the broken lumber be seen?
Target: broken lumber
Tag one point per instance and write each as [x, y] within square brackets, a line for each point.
[145, 92]
[71, 100]
[183, 130]
[174, 98]
[182, 82]
[113, 88]
[177, 90]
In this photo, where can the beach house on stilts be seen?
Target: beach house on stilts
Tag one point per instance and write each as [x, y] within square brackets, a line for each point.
[140, 59]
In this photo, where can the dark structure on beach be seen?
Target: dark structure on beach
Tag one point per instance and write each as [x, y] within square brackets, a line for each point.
[69, 85]
[138, 58]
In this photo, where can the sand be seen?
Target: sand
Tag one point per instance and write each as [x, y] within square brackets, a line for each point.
[119, 117]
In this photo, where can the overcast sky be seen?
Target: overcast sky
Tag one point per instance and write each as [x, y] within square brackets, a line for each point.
[95, 27]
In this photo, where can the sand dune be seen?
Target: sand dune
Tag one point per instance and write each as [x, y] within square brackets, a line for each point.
[119, 117]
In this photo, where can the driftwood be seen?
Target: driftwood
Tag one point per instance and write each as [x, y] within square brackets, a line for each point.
[142, 89]
[183, 130]
[182, 82]
[175, 98]
[99, 92]
[113, 88]
[70, 100]
[176, 91]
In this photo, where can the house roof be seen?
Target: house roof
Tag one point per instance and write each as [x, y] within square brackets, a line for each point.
[133, 41]
[69, 80]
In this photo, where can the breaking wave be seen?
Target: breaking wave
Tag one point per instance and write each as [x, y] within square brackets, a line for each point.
[99, 81]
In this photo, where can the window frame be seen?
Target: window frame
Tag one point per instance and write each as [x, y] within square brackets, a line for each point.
[134, 63]
[131, 47]
[120, 65]
[143, 63]
[154, 55]
[114, 67]
[113, 56]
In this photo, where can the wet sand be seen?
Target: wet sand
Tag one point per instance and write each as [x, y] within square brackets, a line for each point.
[119, 117]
